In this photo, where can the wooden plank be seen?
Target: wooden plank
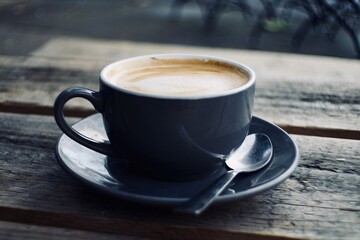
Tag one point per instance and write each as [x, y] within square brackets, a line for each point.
[318, 96]
[18, 231]
[320, 200]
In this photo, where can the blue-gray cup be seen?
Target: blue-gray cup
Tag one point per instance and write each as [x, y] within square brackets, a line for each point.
[166, 136]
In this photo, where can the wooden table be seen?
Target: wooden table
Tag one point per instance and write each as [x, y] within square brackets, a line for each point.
[315, 99]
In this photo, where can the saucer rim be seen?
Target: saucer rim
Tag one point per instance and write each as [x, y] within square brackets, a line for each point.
[172, 201]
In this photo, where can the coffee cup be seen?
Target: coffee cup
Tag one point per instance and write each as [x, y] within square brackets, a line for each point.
[172, 116]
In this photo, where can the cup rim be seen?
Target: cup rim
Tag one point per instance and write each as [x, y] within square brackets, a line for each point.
[249, 72]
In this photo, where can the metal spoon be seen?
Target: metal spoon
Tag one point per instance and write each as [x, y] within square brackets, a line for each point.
[255, 152]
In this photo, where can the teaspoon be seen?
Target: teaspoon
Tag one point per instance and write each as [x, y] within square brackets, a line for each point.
[255, 152]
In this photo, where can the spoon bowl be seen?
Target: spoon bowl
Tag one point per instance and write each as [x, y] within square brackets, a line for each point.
[255, 152]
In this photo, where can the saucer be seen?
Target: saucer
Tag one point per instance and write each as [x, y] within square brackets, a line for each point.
[113, 176]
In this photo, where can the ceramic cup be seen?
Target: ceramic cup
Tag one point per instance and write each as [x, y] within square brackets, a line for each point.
[166, 137]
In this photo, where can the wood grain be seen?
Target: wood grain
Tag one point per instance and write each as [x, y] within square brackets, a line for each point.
[36, 96]
[18, 231]
[321, 199]
[306, 95]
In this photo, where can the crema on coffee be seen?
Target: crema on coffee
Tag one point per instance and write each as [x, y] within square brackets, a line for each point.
[177, 77]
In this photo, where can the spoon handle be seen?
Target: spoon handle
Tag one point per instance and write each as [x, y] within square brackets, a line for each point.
[198, 203]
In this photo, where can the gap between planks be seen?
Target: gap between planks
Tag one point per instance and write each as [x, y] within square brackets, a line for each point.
[28, 108]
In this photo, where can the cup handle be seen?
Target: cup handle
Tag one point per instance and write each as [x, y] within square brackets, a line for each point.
[95, 99]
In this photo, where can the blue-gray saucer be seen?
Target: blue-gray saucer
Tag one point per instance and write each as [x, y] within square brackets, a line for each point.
[113, 176]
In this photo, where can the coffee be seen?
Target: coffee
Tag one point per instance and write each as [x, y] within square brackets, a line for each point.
[177, 77]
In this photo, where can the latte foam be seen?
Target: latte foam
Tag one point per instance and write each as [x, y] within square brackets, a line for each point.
[177, 77]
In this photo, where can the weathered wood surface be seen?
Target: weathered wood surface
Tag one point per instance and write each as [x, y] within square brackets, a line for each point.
[18, 231]
[320, 200]
[307, 95]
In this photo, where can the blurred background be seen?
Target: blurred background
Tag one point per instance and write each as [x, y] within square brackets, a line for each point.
[316, 27]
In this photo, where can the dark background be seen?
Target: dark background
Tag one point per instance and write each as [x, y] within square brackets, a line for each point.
[25, 25]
